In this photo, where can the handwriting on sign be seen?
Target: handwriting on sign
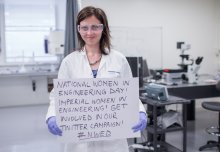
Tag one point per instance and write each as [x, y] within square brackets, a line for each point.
[96, 109]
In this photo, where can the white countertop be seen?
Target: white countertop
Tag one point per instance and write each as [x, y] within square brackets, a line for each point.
[30, 74]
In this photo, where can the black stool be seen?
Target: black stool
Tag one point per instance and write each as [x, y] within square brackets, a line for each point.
[213, 106]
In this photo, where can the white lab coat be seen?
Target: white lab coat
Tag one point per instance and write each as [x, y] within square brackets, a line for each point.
[76, 65]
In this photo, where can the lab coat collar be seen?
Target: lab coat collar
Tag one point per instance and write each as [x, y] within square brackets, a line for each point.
[103, 59]
[83, 51]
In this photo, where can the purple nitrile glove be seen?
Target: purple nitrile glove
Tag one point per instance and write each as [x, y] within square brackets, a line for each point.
[142, 122]
[52, 126]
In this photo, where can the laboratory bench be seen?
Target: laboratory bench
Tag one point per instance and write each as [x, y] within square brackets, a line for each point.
[27, 88]
[191, 92]
[30, 74]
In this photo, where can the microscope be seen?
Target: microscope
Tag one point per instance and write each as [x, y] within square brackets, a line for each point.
[192, 71]
[189, 66]
[184, 57]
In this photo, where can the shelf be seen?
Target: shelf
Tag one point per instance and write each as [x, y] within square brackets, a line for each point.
[172, 100]
[165, 147]
[161, 130]
[171, 148]
[153, 130]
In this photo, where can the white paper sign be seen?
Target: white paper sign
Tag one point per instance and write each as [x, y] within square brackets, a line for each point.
[96, 109]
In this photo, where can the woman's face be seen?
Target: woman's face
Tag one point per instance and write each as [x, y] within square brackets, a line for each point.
[90, 30]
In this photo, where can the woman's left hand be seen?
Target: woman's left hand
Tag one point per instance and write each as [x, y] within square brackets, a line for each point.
[142, 122]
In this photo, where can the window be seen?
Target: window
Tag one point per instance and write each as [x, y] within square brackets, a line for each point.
[26, 27]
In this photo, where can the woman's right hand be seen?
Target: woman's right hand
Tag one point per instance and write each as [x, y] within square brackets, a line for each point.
[52, 126]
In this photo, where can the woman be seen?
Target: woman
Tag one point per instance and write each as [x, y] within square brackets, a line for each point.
[94, 59]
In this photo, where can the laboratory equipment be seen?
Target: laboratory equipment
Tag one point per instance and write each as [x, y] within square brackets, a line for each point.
[188, 65]
[157, 91]
[192, 70]
[173, 76]
[56, 42]
[136, 64]
[169, 119]
[185, 60]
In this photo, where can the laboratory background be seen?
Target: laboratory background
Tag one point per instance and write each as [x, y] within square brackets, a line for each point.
[173, 46]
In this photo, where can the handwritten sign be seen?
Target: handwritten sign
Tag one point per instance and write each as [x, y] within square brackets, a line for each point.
[96, 109]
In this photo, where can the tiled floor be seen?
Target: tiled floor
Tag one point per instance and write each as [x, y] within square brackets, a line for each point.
[23, 129]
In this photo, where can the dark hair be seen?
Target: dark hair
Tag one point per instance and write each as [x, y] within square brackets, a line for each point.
[101, 16]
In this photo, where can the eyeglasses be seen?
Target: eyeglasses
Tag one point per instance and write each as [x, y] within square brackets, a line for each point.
[94, 28]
